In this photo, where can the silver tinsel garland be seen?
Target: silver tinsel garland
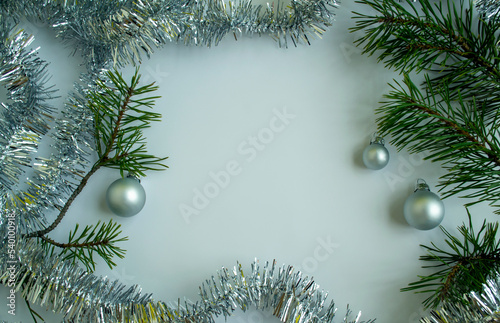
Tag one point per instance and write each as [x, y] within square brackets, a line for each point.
[83, 297]
[24, 115]
[488, 8]
[481, 307]
[117, 32]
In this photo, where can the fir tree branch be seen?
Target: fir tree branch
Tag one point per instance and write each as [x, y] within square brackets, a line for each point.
[116, 128]
[401, 35]
[454, 117]
[434, 110]
[87, 244]
[64, 210]
[459, 46]
[469, 263]
[113, 103]
[119, 119]
[101, 239]
[453, 133]
[33, 312]
[437, 38]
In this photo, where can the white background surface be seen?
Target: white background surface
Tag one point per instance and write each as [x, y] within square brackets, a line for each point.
[306, 189]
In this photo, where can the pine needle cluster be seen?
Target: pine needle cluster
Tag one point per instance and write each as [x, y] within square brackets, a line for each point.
[463, 268]
[121, 112]
[453, 115]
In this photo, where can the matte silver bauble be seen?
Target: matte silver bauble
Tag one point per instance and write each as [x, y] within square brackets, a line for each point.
[126, 196]
[423, 209]
[376, 156]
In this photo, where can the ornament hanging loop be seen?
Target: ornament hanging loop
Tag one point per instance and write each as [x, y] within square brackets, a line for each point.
[376, 139]
[421, 185]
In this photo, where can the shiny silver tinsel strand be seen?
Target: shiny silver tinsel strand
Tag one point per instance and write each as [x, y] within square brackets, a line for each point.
[477, 307]
[24, 116]
[488, 8]
[55, 177]
[118, 32]
[83, 297]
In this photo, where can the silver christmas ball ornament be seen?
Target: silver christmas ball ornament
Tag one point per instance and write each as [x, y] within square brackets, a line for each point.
[423, 209]
[375, 155]
[126, 196]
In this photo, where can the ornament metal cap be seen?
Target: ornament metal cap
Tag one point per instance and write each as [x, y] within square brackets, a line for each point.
[376, 139]
[421, 185]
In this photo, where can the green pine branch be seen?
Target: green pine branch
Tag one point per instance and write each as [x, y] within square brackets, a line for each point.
[121, 112]
[463, 267]
[454, 113]
[33, 313]
[444, 38]
[453, 132]
[428, 36]
[100, 239]
[120, 118]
